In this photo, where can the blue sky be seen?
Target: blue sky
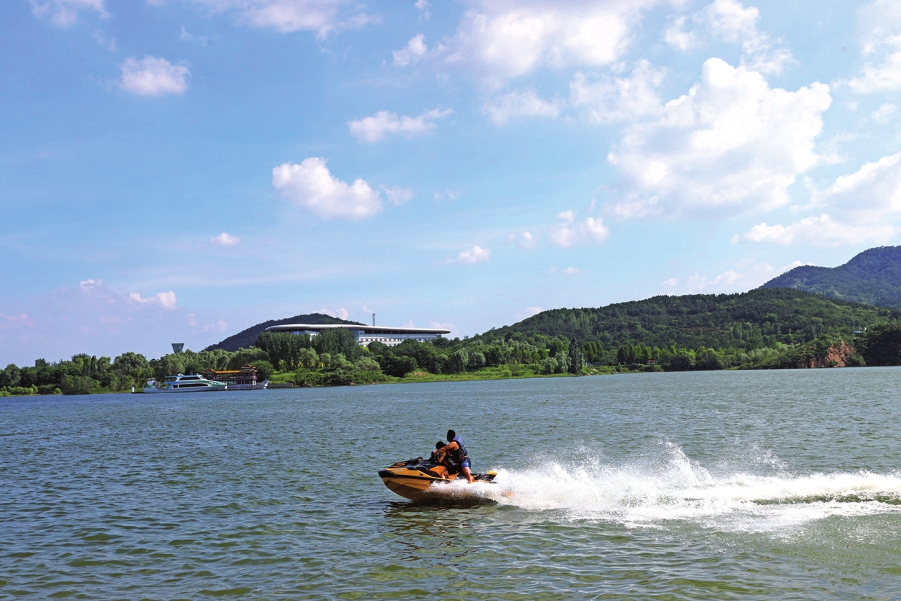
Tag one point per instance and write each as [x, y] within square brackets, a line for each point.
[179, 170]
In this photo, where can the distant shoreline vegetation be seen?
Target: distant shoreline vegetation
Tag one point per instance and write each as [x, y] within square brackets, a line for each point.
[762, 329]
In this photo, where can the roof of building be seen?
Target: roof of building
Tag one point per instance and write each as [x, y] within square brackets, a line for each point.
[293, 327]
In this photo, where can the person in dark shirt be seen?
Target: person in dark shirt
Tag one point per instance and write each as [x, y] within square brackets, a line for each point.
[457, 453]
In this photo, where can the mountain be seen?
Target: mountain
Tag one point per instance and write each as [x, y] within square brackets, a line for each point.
[248, 337]
[872, 277]
[752, 319]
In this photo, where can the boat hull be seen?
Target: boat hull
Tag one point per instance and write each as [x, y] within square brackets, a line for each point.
[152, 390]
[417, 480]
[182, 383]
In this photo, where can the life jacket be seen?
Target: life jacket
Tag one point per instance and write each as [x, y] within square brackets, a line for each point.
[459, 454]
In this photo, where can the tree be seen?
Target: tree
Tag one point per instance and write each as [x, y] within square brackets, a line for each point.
[576, 362]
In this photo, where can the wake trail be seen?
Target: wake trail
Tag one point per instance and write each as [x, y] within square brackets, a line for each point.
[675, 488]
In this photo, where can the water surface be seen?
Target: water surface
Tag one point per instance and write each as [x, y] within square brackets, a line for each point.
[715, 485]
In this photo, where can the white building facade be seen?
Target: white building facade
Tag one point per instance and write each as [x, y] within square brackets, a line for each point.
[387, 335]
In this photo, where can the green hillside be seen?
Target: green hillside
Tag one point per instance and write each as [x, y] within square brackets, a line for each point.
[755, 319]
[872, 277]
[246, 338]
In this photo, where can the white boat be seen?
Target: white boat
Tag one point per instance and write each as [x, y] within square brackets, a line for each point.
[183, 383]
[249, 386]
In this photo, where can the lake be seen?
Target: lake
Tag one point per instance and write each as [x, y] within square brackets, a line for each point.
[709, 485]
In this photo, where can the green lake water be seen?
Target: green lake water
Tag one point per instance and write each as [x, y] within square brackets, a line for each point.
[713, 485]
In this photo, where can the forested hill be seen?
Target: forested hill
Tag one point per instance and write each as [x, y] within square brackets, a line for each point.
[246, 338]
[752, 319]
[872, 277]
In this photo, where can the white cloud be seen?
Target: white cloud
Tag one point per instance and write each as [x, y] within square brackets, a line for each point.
[16, 321]
[375, 128]
[569, 232]
[64, 13]
[225, 239]
[166, 300]
[412, 53]
[217, 326]
[311, 186]
[524, 103]
[529, 312]
[397, 196]
[731, 141]
[527, 240]
[474, 255]
[821, 230]
[730, 21]
[93, 318]
[502, 42]
[424, 9]
[341, 313]
[863, 207]
[884, 113]
[612, 100]
[879, 31]
[286, 16]
[152, 76]
[744, 275]
[449, 195]
[677, 37]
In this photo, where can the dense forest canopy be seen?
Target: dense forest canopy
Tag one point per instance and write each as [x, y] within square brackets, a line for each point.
[760, 318]
[872, 277]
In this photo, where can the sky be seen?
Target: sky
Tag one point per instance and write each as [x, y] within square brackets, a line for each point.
[180, 170]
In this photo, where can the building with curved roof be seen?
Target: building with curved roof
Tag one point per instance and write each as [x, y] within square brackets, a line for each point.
[388, 335]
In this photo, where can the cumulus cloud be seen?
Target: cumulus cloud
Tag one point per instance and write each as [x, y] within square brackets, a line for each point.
[412, 53]
[64, 13]
[474, 255]
[569, 231]
[862, 207]
[879, 31]
[732, 141]
[731, 21]
[502, 42]
[820, 230]
[225, 239]
[311, 186]
[677, 37]
[608, 99]
[165, 300]
[522, 103]
[152, 76]
[383, 123]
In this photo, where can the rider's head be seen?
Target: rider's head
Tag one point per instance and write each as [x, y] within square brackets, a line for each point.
[451, 435]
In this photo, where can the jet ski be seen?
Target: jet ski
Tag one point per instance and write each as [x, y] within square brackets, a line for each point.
[419, 478]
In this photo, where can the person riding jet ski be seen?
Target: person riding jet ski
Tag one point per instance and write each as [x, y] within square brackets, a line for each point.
[457, 453]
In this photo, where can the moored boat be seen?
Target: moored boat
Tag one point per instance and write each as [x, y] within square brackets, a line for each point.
[237, 379]
[184, 383]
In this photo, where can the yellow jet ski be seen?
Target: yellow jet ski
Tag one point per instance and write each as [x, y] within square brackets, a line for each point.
[419, 478]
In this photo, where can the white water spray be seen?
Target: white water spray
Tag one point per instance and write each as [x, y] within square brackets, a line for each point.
[676, 488]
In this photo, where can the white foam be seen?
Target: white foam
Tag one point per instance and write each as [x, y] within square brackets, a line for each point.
[646, 493]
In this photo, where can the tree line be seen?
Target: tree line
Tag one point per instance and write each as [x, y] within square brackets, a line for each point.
[638, 337]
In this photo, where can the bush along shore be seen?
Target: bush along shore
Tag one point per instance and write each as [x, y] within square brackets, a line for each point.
[333, 358]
